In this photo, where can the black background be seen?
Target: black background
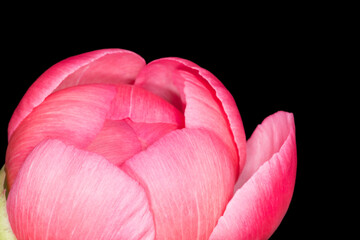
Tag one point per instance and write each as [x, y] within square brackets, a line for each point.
[268, 65]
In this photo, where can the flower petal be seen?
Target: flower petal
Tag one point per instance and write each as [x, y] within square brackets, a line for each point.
[189, 178]
[206, 103]
[140, 105]
[148, 133]
[161, 78]
[257, 208]
[119, 140]
[74, 115]
[266, 140]
[116, 141]
[65, 193]
[102, 66]
[224, 99]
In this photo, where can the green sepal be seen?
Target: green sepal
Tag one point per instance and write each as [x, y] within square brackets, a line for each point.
[5, 228]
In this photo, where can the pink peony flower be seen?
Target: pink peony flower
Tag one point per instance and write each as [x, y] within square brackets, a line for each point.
[103, 146]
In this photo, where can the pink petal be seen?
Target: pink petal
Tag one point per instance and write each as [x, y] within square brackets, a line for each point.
[189, 178]
[142, 106]
[116, 141]
[65, 193]
[102, 66]
[148, 133]
[205, 101]
[120, 67]
[74, 115]
[259, 205]
[119, 140]
[266, 140]
[160, 77]
[204, 110]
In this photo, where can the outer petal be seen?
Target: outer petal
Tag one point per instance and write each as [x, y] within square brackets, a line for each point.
[189, 178]
[102, 66]
[203, 98]
[65, 193]
[257, 208]
[74, 115]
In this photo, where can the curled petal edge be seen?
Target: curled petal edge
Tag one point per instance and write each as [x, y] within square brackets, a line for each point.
[259, 205]
[51, 79]
[156, 73]
[228, 105]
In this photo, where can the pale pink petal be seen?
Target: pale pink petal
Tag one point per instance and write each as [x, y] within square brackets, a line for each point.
[259, 205]
[142, 106]
[102, 66]
[65, 193]
[74, 115]
[266, 140]
[203, 98]
[189, 177]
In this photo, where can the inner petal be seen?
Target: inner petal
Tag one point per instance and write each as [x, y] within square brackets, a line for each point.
[161, 78]
[119, 140]
[141, 105]
[148, 133]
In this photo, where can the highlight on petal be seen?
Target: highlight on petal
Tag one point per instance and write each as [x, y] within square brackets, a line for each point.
[102, 66]
[206, 103]
[62, 192]
[189, 178]
[74, 115]
[264, 194]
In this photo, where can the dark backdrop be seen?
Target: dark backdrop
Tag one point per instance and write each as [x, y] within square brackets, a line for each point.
[267, 67]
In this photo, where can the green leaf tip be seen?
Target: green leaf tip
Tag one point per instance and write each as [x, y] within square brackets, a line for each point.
[5, 228]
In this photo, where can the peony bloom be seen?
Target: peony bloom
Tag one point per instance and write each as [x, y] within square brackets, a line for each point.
[103, 146]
